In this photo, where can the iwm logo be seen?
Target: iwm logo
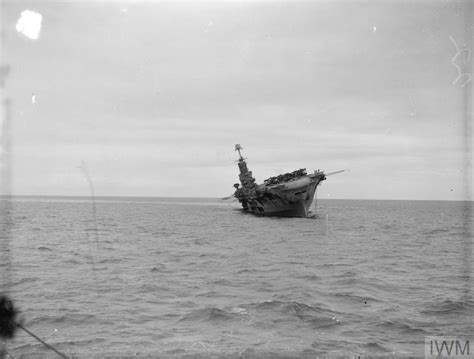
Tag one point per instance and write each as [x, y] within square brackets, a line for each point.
[447, 347]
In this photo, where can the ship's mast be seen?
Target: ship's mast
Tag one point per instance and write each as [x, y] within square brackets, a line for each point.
[238, 148]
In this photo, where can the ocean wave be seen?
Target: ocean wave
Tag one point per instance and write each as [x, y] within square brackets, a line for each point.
[240, 311]
[26, 280]
[110, 260]
[210, 314]
[373, 348]
[347, 278]
[71, 261]
[435, 231]
[404, 327]
[311, 277]
[224, 282]
[246, 270]
[282, 306]
[70, 318]
[44, 248]
[366, 298]
[208, 294]
[38, 351]
[449, 306]
[316, 316]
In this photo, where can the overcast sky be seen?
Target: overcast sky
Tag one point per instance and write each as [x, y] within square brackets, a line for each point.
[152, 97]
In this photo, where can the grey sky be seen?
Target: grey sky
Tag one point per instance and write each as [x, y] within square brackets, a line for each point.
[153, 96]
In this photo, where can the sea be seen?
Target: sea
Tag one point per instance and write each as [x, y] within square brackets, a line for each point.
[198, 278]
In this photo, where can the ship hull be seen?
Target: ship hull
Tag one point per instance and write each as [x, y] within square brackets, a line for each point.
[293, 199]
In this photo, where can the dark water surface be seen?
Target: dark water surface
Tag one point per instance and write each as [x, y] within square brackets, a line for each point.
[197, 278]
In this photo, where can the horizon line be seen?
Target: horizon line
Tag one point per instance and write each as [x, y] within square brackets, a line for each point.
[219, 198]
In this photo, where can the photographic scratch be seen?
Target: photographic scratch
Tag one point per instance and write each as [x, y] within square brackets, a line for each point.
[86, 174]
[412, 108]
[29, 24]
[465, 55]
[85, 171]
